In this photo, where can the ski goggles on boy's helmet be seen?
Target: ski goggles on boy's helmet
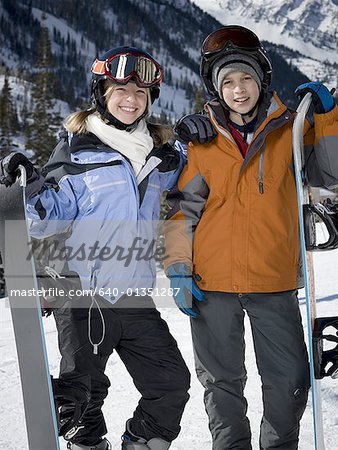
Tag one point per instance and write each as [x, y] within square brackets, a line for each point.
[232, 39]
[123, 66]
[230, 35]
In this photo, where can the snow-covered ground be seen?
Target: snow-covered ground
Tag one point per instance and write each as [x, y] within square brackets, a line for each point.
[123, 396]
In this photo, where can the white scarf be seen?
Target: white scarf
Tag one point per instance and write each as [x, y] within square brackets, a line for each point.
[135, 145]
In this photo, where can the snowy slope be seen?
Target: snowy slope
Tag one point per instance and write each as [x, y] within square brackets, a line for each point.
[21, 92]
[86, 48]
[307, 26]
[123, 395]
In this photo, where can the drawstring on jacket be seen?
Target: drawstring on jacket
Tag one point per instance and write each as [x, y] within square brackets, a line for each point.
[95, 345]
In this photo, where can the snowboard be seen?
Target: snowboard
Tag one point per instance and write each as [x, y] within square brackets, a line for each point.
[322, 363]
[22, 288]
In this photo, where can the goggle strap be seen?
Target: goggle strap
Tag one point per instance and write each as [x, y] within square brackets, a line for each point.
[99, 67]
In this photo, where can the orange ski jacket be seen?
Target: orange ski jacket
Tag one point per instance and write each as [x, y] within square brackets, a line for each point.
[234, 221]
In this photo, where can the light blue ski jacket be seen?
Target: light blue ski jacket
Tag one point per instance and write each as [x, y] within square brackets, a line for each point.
[103, 218]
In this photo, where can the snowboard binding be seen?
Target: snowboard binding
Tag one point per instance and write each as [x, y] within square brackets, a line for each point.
[71, 398]
[325, 361]
[312, 212]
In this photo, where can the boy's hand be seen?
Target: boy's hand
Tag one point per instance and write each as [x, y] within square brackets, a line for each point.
[322, 99]
[185, 289]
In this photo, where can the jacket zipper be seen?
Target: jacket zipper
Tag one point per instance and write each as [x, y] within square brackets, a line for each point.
[260, 171]
[267, 130]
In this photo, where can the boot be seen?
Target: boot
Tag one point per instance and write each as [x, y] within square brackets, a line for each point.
[132, 442]
[152, 444]
[103, 445]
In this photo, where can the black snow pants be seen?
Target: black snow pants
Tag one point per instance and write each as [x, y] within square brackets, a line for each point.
[143, 342]
[281, 357]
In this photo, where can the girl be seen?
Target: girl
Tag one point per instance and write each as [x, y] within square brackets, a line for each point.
[100, 195]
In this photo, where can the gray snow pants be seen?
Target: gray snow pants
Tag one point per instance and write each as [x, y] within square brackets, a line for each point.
[281, 356]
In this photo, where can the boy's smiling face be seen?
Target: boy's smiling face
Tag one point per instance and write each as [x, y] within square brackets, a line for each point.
[240, 92]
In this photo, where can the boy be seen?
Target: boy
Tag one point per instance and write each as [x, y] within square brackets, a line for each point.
[237, 200]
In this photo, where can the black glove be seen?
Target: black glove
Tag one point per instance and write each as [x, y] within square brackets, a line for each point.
[195, 128]
[9, 168]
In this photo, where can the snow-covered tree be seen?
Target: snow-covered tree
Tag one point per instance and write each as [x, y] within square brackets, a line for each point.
[200, 99]
[45, 123]
[8, 117]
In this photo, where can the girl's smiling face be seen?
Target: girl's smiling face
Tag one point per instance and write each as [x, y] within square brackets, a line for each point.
[127, 102]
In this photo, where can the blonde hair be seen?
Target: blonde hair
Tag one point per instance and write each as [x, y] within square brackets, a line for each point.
[76, 122]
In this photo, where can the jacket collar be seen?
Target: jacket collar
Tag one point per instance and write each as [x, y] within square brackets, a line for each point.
[272, 114]
[269, 106]
[165, 158]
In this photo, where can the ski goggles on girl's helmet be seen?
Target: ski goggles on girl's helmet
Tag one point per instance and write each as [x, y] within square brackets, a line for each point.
[228, 40]
[127, 63]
